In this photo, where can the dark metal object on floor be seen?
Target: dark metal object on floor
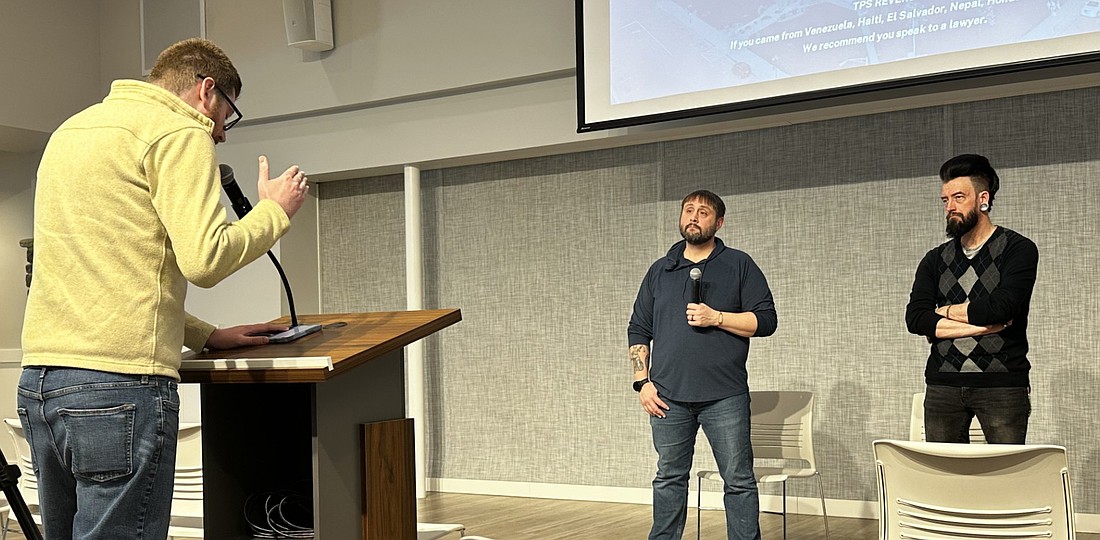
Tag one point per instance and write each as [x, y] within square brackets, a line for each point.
[9, 481]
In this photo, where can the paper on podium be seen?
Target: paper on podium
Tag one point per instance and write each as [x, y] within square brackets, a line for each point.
[292, 362]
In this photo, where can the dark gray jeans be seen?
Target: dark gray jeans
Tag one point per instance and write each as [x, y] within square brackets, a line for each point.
[1002, 412]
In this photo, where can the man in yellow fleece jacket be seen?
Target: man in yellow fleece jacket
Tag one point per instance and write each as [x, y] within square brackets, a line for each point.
[127, 212]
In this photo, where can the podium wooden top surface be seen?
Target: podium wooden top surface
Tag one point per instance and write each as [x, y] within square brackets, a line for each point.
[349, 339]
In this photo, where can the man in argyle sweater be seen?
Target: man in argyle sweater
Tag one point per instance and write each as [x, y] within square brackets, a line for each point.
[970, 298]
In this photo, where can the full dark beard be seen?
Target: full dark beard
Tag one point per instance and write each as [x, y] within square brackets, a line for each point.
[700, 237]
[958, 228]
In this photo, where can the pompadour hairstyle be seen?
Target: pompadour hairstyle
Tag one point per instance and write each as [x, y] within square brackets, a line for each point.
[979, 170]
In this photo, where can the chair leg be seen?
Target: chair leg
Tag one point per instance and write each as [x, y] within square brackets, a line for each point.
[824, 513]
[699, 508]
[784, 510]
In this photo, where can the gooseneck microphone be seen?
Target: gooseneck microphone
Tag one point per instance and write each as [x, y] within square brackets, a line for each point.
[241, 207]
[695, 274]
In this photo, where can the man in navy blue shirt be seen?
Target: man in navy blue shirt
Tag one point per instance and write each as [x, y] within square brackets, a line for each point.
[696, 375]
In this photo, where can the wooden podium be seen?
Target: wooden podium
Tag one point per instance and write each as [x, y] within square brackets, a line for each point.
[291, 418]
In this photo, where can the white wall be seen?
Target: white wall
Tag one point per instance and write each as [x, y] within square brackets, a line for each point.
[16, 223]
[51, 65]
[388, 49]
[119, 42]
[50, 61]
[408, 82]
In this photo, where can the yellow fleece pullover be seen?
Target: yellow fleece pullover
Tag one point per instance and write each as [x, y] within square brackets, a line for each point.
[126, 212]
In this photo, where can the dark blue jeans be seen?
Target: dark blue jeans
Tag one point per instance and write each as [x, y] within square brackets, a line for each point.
[726, 424]
[1002, 412]
[104, 451]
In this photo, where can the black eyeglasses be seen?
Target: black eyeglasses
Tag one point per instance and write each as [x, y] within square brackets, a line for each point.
[237, 112]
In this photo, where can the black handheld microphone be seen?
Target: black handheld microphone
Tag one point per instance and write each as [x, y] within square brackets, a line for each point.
[240, 203]
[695, 274]
[241, 206]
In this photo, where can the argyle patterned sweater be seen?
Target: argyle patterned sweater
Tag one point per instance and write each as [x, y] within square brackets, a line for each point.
[998, 283]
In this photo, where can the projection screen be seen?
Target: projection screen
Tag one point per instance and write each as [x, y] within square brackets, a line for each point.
[642, 61]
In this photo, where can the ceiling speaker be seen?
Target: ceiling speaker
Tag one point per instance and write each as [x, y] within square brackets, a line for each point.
[308, 24]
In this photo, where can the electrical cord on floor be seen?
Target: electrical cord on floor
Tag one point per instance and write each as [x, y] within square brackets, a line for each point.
[279, 514]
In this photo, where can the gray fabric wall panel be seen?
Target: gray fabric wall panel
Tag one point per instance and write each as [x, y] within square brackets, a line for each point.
[363, 254]
[544, 256]
[542, 259]
[1024, 131]
[844, 151]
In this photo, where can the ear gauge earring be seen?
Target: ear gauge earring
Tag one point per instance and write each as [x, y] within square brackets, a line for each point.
[984, 207]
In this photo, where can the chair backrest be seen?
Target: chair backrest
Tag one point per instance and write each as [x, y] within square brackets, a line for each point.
[28, 482]
[951, 491]
[187, 489]
[916, 423]
[782, 426]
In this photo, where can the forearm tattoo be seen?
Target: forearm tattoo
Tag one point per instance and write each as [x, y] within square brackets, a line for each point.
[639, 354]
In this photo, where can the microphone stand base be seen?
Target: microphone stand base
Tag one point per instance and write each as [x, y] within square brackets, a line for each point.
[295, 332]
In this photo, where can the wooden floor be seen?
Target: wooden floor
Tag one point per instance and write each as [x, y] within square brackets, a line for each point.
[516, 518]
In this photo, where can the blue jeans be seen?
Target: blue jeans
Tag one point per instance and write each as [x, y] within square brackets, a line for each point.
[104, 451]
[1002, 413]
[726, 424]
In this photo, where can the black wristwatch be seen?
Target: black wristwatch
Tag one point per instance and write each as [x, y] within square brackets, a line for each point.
[639, 384]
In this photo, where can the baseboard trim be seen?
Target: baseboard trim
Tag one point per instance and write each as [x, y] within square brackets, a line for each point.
[1089, 523]
[11, 357]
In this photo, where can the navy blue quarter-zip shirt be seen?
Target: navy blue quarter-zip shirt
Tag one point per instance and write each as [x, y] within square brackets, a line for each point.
[699, 364]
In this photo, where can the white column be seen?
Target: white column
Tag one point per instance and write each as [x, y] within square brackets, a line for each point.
[414, 352]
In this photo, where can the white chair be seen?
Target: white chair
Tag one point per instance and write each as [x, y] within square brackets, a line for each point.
[28, 482]
[782, 432]
[933, 491]
[187, 489]
[916, 423]
[431, 531]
